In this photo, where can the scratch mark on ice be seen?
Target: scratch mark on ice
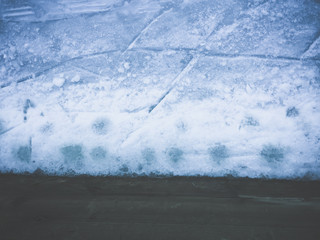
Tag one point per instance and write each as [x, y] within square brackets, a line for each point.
[311, 45]
[184, 71]
[87, 71]
[9, 129]
[145, 29]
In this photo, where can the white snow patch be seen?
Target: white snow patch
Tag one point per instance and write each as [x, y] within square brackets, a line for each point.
[76, 78]
[58, 81]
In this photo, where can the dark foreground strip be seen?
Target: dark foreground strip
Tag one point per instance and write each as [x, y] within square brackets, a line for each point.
[82, 207]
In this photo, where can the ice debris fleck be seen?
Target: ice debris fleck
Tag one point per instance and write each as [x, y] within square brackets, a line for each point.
[76, 78]
[58, 81]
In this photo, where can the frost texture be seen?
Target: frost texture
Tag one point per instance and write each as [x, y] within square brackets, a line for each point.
[272, 153]
[160, 87]
[72, 156]
[218, 153]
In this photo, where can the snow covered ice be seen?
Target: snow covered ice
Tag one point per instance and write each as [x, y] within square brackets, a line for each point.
[210, 88]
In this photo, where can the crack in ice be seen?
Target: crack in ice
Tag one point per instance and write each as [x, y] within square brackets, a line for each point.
[310, 46]
[219, 27]
[183, 72]
[9, 129]
[145, 29]
[38, 74]
[200, 53]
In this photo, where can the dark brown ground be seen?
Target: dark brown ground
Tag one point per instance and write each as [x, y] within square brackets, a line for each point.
[47, 207]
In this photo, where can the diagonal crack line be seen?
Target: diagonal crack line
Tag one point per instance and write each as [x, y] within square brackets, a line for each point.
[224, 55]
[145, 29]
[184, 71]
[9, 129]
[82, 69]
[204, 53]
[159, 101]
[219, 26]
[257, 56]
[161, 49]
[44, 71]
[311, 45]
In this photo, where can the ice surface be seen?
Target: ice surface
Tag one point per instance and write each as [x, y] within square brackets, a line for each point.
[160, 87]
